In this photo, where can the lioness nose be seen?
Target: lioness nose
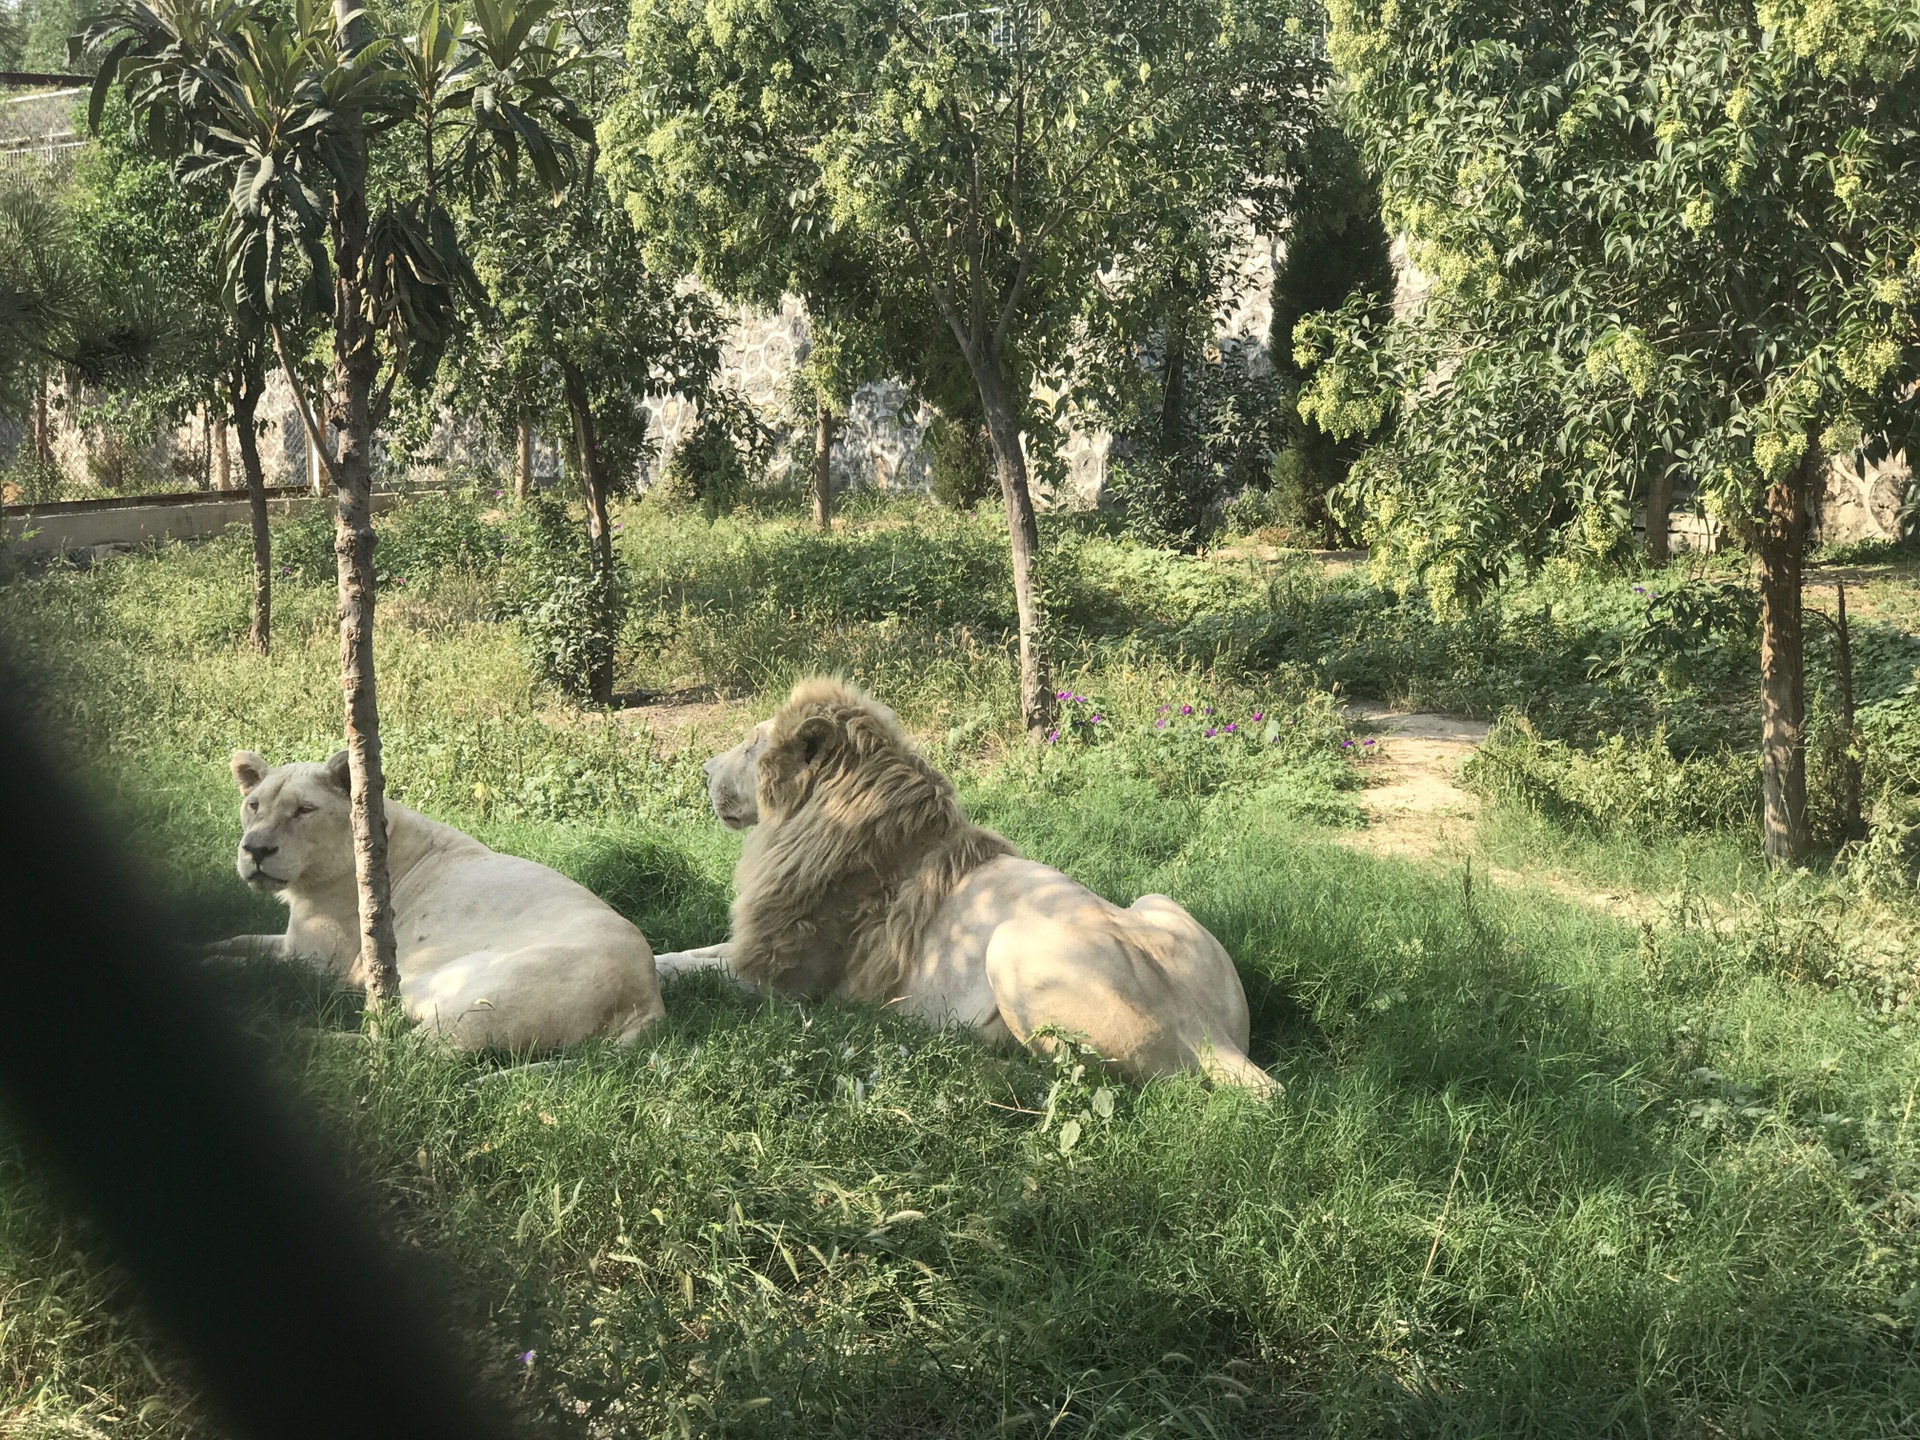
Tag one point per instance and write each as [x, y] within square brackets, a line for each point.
[707, 767]
[258, 851]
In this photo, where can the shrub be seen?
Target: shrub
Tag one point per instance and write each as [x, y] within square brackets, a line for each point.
[1636, 785]
[438, 534]
[961, 463]
[567, 616]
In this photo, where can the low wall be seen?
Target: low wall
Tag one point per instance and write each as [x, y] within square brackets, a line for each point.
[89, 525]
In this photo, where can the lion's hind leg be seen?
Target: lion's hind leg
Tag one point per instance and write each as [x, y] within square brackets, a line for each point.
[1050, 973]
[1116, 989]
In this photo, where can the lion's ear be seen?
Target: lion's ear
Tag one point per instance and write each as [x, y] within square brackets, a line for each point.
[816, 733]
[249, 770]
[338, 773]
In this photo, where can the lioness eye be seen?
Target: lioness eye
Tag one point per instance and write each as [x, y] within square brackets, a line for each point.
[306, 809]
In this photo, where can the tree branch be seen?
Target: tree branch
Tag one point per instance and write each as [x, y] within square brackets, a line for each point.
[305, 408]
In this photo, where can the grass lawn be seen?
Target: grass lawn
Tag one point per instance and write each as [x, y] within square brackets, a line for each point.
[1534, 1169]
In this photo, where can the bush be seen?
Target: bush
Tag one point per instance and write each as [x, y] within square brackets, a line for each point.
[438, 534]
[1636, 785]
[567, 615]
[961, 463]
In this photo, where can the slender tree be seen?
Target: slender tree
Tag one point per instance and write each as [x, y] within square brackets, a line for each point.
[283, 109]
[993, 166]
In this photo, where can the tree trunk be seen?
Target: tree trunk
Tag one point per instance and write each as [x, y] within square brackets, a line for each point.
[246, 400]
[523, 466]
[355, 363]
[206, 445]
[1783, 689]
[1023, 538]
[42, 430]
[1173, 388]
[823, 466]
[1852, 827]
[593, 490]
[218, 459]
[1659, 507]
[316, 468]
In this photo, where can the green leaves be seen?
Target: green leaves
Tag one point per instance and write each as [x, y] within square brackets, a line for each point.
[1657, 239]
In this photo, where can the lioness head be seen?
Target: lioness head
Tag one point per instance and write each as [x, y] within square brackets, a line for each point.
[295, 825]
[732, 782]
[825, 726]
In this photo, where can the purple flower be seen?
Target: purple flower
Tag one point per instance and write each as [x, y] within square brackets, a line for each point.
[1186, 709]
[1346, 744]
[1366, 742]
[526, 1357]
[1207, 711]
[1063, 694]
[1159, 724]
[1163, 709]
[1231, 727]
[1211, 732]
[1639, 589]
[1258, 716]
[1052, 735]
[1094, 721]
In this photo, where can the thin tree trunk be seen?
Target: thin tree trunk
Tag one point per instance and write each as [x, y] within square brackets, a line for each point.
[1173, 387]
[246, 400]
[1659, 508]
[219, 458]
[355, 363]
[1023, 538]
[1851, 825]
[523, 467]
[823, 466]
[1783, 689]
[42, 431]
[316, 467]
[593, 490]
[206, 445]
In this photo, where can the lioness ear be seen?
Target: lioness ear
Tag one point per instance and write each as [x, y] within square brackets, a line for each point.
[249, 770]
[816, 732]
[337, 772]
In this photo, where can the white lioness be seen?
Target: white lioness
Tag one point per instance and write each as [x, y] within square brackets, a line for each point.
[493, 949]
[865, 881]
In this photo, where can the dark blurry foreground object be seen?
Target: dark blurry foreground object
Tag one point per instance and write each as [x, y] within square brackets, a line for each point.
[210, 1183]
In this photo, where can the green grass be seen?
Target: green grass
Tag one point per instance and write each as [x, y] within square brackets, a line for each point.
[1533, 1170]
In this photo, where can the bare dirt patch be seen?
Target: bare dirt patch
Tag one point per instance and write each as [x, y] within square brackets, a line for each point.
[1416, 808]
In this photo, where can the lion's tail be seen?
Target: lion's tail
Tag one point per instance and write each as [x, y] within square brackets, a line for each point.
[1229, 1067]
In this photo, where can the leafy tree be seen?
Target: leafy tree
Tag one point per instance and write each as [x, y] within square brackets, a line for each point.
[712, 146]
[579, 333]
[146, 232]
[1672, 233]
[282, 109]
[576, 330]
[1335, 247]
[996, 163]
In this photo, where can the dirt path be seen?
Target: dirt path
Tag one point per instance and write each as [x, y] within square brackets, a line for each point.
[1416, 808]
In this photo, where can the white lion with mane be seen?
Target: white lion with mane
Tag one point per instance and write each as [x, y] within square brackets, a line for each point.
[492, 949]
[865, 881]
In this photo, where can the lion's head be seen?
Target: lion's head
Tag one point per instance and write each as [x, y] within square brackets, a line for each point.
[859, 841]
[295, 824]
[732, 780]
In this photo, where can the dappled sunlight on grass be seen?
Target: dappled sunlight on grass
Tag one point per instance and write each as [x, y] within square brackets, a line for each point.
[1533, 1168]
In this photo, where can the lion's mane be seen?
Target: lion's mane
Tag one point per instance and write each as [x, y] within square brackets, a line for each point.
[859, 844]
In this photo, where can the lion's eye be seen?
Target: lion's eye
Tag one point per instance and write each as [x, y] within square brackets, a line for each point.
[306, 809]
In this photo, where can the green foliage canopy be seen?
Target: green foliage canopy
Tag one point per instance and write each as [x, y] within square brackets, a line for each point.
[1675, 227]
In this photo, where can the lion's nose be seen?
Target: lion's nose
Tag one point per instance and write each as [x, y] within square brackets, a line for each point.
[706, 767]
[258, 851]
